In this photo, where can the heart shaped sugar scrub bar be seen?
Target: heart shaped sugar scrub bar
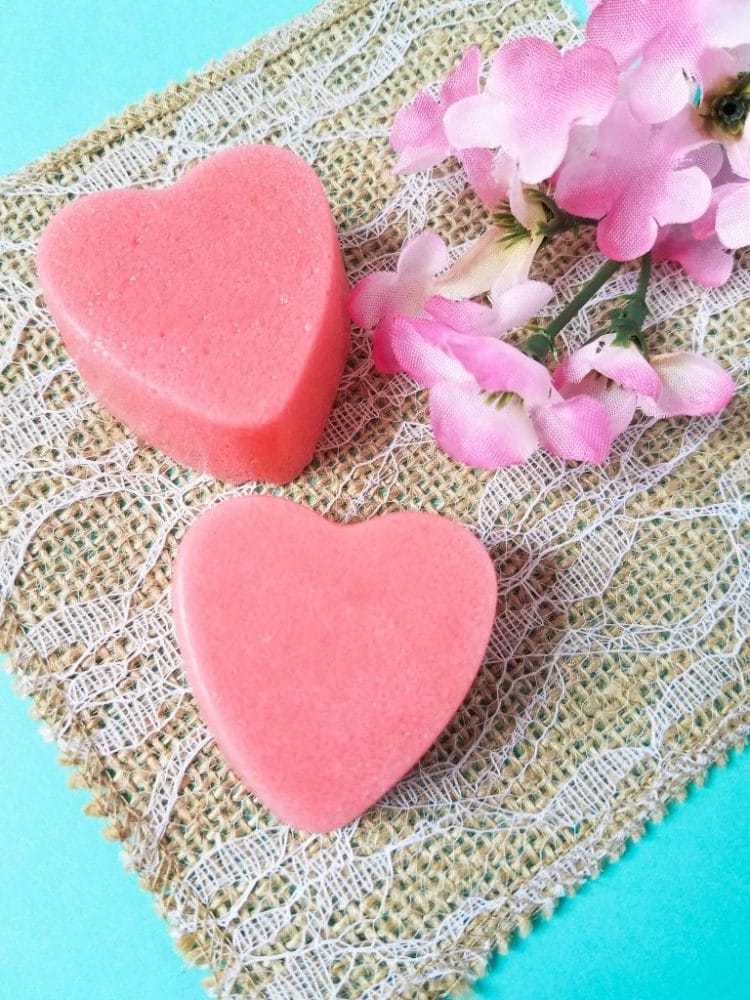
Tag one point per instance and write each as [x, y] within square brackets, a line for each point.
[209, 316]
[326, 658]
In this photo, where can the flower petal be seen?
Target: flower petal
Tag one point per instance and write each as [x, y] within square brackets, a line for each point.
[738, 154]
[383, 356]
[475, 121]
[418, 136]
[476, 269]
[606, 26]
[370, 298]
[463, 81]
[704, 259]
[488, 174]
[657, 87]
[627, 367]
[499, 367]
[476, 432]
[589, 76]
[742, 56]
[527, 209]
[423, 257]
[520, 303]
[682, 137]
[584, 187]
[715, 68]
[705, 226]
[710, 158]
[417, 158]
[418, 349]
[729, 24]
[576, 428]
[686, 197]
[539, 156]
[464, 316]
[624, 234]
[733, 218]
[619, 403]
[692, 386]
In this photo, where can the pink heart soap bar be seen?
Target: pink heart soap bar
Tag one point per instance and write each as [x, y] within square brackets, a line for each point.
[209, 317]
[326, 658]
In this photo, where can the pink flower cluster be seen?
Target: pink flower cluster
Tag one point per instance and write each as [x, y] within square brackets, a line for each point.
[490, 404]
[642, 131]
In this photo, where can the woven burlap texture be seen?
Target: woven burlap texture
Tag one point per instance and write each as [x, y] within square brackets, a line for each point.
[618, 668]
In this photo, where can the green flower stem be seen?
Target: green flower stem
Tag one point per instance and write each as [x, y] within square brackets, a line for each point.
[585, 295]
[627, 323]
[539, 344]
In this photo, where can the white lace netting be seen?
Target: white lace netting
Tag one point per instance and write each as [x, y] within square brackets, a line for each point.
[597, 516]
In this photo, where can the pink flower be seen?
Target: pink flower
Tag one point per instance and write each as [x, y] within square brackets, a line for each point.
[491, 405]
[621, 379]
[705, 259]
[418, 134]
[634, 181]
[663, 40]
[615, 376]
[691, 386]
[534, 96]
[380, 297]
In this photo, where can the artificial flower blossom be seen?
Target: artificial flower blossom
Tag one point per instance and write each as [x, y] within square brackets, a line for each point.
[643, 132]
[660, 44]
[622, 380]
[419, 137]
[533, 97]
[491, 405]
[381, 297]
[615, 376]
[635, 181]
[508, 310]
[566, 121]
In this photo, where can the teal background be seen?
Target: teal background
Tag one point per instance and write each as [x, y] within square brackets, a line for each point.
[671, 921]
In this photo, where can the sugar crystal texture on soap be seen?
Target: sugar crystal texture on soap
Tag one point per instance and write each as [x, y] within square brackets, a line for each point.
[209, 317]
[327, 658]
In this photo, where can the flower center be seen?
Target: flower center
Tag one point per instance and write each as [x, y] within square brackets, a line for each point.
[499, 399]
[729, 110]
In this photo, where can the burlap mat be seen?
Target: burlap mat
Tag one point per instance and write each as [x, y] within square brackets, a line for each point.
[618, 671]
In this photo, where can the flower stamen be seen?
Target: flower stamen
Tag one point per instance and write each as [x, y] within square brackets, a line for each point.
[728, 110]
[499, 399]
